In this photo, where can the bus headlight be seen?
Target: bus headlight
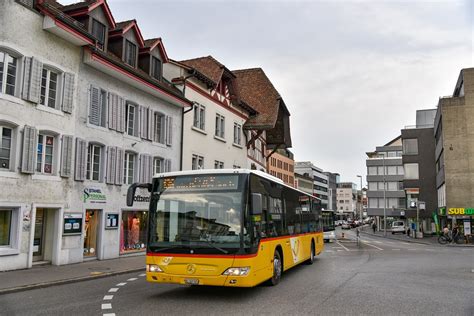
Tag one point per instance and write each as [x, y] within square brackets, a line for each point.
[153, 268]
[237, 271]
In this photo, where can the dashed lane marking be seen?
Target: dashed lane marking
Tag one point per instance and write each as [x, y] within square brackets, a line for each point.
[342, 246]
[109, 314]
[372, 246]
[142, 275]
[412, 249]
[132, 279]
[113, 290]
[106, 306]
[121, 284]
[340, 250]
[108, 297]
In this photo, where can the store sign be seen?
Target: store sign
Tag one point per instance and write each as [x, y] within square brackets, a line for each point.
[461, 211]
[111, 220]
[442, 211]
[94, 195]
[72, 224]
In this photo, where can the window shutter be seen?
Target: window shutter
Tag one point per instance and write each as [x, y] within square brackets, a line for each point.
[150, 124]
[94, 108]
[113, 107]
[119, 166]
[143, 122]
[111, 165]
[167, 165]
[32, 80]
[136, 120]
[29, 153]
[120, 114]
[150, 168]
[81, 159]
[169, 134]
[68, 92]
[66, 156]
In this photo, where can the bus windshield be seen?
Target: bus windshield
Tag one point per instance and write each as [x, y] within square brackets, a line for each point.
[197, 214]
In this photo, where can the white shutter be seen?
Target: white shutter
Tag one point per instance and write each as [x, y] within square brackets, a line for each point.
[66, 156]
[113, 111]
[68, 92]
[111, 165]
[29, 153]
[81, 159]
[121, 114]
[143, 122]
[169, 132]
[150, 124]
[94, 106]
[119, 166]
[32, 80]
[150, 168]
[167, 165]
[136, 122]
[26, 77]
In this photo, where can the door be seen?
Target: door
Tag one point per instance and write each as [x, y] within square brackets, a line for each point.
[91, 232]
[39, 235]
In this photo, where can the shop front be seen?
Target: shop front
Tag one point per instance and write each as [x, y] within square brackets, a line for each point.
[463, 218]
[134, 224]
[95, 201]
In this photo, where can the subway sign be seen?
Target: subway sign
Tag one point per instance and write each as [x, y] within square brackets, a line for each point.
[461, 211]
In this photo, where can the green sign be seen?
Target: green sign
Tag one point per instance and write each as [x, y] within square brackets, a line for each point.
[92, 195]
[442, 211]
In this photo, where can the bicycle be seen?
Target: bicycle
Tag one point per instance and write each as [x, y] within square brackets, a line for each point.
[444, 239]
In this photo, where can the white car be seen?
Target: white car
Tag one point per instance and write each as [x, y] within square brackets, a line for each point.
[329, 236]
[398, 227]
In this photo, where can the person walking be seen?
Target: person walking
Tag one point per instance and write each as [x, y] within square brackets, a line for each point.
[374, 227]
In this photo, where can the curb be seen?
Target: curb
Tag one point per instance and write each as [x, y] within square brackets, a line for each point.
[408, 240]
[66, 281]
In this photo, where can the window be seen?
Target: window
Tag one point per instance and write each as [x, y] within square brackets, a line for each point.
[373, 203]
[131, 117]
[197, 162]
[380, 171]
[98, 30]
[8, 68]
[285, 166]
[93, 162]
[158, 164]
[237, 133]
[5, 147]
[199, 116]
[129, 168]
[5, 227]
[392, 186]
[411, 171]
[235, 167]
[49, 88]
[400, 170]
[218, 164]
[156, 68]
[130, 53]
[220, 126]
[372, 186]
[279, 164]
[159, 128]
[391, 170]
[410, 146]
[44, 158]
[98, 107]
[372, 171]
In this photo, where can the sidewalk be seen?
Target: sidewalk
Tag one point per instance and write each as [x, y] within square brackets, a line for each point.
[427, 240]
[48, 275]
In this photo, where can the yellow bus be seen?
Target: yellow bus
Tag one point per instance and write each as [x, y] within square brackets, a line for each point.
[227, 228]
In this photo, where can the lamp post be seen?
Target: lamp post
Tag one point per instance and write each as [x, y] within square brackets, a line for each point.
[360, 206]
[384, 200]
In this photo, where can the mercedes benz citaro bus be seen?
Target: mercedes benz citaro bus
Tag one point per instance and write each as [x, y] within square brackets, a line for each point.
[227, 227]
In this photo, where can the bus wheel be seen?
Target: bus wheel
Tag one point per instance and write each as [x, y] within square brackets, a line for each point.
[312, 255]
[277, 268]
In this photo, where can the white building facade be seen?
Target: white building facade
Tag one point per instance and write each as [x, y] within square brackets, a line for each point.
[347, 199]
[320, 180]
[82, 117]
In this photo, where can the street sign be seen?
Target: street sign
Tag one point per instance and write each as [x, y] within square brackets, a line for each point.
[402, 213]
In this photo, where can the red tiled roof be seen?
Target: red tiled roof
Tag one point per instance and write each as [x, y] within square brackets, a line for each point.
[77, 5]
[122, 25]
[257, 91]
[208, 66]
[150, 42]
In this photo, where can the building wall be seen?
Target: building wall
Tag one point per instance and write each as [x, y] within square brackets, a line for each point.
[346, 199]
[320, 180]
[281, 167]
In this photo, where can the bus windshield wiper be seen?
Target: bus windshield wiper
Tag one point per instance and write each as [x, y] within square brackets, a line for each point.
[158, 248]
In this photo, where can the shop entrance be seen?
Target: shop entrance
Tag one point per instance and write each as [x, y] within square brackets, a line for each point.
[91, 233]
[43, 235]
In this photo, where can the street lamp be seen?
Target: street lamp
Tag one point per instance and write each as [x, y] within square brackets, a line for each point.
[384, 200]
[360, 206]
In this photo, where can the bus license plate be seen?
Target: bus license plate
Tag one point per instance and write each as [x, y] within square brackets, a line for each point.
[191, 281]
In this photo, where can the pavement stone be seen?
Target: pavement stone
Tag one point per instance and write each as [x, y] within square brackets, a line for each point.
[49, 275]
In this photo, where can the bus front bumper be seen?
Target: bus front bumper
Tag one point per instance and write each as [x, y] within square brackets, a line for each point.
[221, 280]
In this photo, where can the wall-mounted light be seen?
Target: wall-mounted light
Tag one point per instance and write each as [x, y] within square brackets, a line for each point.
[134, 144]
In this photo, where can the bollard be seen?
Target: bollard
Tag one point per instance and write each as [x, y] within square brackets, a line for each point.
[342, 235]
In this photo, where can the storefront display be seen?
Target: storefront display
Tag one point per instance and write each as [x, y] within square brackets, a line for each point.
[133, 231]
[5, 222]
[90, 233]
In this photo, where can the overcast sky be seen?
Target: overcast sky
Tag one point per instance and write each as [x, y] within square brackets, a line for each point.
[352, 73]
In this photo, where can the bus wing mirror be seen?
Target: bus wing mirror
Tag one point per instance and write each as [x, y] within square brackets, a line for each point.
[133, 188]
[256, 203]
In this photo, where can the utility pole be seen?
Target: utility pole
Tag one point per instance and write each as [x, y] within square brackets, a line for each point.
[384, 200]
[360, 205]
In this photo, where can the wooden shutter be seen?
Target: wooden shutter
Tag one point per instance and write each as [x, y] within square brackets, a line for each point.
[142, 167]
[150, 124]
[29, 153]
[121, 114]
[169, 132]
[136, 121]
[94, 106]
[66, 156]
[150, 168]
[143, 122]
[119, 166]
[81, 159]
[113, 108]
[32, 79]
[111, 165]
[68, 92]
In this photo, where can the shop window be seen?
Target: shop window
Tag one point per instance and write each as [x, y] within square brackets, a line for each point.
[5, 147]
[49, 88]
[133, 231]
[90, 232]
[5, 227]
[45, 154]
[8, 73]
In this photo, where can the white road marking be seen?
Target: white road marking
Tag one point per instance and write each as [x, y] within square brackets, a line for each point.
[329, 250]
[113, 290]
[107, 306]
[108, 297]
[142, 275]
[340, 250]
[412, 249]
[132, 279]
[109, 314]
[121, 284]
[373, 246]
[405, 243]
[342, 246]
[379, 242]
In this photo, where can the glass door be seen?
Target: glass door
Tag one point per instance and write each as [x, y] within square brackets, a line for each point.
[38, 241]
[91, 232]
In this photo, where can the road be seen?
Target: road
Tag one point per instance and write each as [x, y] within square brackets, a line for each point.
[379, 277]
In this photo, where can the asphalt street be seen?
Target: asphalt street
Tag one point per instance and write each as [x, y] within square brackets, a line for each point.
[376, 277]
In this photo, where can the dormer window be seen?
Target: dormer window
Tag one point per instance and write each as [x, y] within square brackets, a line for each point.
[98, 30]
[130, 53]
[156, 68]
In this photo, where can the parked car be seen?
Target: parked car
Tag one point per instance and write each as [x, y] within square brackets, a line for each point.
[329, 236]
[345, 225]
[398, 227]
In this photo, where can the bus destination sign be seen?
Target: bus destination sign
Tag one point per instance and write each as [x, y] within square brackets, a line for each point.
[200, 183]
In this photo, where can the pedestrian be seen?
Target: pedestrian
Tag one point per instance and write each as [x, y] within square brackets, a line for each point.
[374, 227]
[408, 230]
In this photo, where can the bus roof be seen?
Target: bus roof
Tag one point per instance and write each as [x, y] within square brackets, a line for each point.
[229, 171]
